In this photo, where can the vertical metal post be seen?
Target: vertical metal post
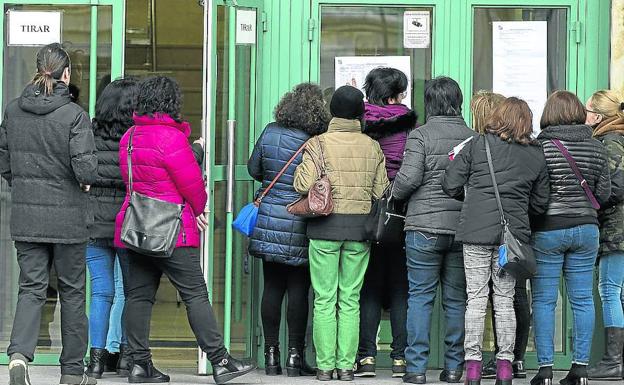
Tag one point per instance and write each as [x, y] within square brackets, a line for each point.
[93, 51]
[153, 33]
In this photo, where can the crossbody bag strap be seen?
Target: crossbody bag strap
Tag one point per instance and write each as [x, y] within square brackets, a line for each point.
[570, 159]
[129, 152]
[322, 166]
[279, 175]
[491, 166]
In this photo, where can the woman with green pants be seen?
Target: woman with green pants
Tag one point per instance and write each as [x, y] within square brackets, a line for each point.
[339, 251]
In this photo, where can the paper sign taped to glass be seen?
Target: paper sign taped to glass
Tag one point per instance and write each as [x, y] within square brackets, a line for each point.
[416, 29]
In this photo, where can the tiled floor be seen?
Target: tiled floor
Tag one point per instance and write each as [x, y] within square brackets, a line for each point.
[46, 375]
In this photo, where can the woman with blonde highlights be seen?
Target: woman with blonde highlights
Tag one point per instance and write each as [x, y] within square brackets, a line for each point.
[481, 107]
[605, 113]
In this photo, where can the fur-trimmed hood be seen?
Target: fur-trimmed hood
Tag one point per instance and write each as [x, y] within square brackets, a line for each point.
[385, 121]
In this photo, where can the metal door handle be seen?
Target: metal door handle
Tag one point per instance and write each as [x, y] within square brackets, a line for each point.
[231, 128]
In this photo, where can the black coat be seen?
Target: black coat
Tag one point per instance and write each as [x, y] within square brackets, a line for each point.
[522, 179]
[279, 236]
[568, 200]
[46, 152]
[108, 192]
[419, 179]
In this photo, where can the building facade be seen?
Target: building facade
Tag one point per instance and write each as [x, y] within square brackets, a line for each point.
[235, 58]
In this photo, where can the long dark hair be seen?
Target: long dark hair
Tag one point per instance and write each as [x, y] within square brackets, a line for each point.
[384, 83]
[303, 108]
[114, 108]
[512, 121]
[160, 95]
[51, 62]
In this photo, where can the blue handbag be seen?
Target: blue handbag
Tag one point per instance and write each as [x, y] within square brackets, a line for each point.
[245, 221]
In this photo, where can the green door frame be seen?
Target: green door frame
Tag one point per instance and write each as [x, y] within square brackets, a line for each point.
[587, 54]
[117, 50]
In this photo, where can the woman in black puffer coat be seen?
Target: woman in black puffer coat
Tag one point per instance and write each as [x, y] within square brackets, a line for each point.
[279, 237]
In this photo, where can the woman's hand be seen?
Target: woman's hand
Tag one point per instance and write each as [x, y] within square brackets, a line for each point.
[202, 222]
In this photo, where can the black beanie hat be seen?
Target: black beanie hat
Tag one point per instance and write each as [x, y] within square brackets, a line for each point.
[347, 103]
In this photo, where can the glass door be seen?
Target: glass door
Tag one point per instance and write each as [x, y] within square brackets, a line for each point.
[349, 38]
[556, 66]
[93, 37]
[230, 136]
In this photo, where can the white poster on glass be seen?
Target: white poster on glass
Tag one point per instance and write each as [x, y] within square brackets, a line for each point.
[520, 63]
[34, 28]
[352, 70]
[416, 29]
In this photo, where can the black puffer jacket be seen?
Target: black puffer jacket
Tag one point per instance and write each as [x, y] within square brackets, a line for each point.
[108, 192]
[569, 206]
[522, 179]
[419, 179]
[279, 236]
[46, 152]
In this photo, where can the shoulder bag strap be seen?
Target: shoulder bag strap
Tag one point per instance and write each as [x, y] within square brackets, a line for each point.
[130, 159]
[322, 170]
[491, 166]
[568, 157]
[279, 175]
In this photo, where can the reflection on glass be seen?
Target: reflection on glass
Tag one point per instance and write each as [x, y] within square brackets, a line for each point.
[482, 44]
[371, 31]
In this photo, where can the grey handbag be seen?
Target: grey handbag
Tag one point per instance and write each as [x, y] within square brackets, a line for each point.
[150, 226]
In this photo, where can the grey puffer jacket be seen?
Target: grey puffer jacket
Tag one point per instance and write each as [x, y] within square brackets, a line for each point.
[567, 197]
[46, 152]
[420, 177]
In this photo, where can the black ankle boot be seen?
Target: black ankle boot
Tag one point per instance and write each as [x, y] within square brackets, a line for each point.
[610, 367]
[543, 377]
[296, 364]
[272, 366]
[576, 376]
[111, 362]
[229, 368]
[124, 364]
[97, 362]
[145, 372]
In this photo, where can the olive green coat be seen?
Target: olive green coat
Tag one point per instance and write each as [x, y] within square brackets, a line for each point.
[354, 164]
[611, 217]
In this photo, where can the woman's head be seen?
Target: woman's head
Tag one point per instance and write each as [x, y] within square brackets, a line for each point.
[602, 105]
[563, 108]
[160, 95]
[385, 85]
[53, 65]
[114, 108]
[347, 103]
[303, 108]
[482, 105]
[512, 121]
[443, 97]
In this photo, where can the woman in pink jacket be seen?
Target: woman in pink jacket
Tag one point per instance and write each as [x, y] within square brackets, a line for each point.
[163, 167]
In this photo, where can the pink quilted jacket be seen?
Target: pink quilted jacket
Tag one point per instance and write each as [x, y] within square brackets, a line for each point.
[163, 167]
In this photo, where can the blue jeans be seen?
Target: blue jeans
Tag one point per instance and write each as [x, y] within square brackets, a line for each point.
[434, 259]
[574, 251]
[107, 297]
[611, 288]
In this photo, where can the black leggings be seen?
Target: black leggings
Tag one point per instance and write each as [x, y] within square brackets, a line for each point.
[280, 279]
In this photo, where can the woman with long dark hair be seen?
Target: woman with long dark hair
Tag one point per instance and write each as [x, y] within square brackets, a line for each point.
[47, 155]
[164, 168]
[113, 117]
[566, 238]
[522, 180]
[279, 237]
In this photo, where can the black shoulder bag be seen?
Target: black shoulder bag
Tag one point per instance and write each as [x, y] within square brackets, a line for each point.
[514, 257]
[386, 220]
[151, 226]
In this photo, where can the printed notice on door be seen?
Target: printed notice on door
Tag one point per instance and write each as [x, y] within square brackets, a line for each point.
[34, 28]
[352, 70]
[416, 29]
[520, 63]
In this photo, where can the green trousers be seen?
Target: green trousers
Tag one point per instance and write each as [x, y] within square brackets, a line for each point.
[337, 269]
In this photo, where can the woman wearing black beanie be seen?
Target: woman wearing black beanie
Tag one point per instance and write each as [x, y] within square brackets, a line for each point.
[339, 251]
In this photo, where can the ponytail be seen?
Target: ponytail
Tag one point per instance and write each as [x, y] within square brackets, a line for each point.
[608, 103]
[51, 63]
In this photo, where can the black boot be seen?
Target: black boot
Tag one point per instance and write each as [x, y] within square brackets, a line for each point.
[145, 372]
[229, 368]
[111, 362]
[543, 377]
[610, 367]
[272, 366]
[576, 376]
[296, 364]
[124, 364]
[97, 362]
